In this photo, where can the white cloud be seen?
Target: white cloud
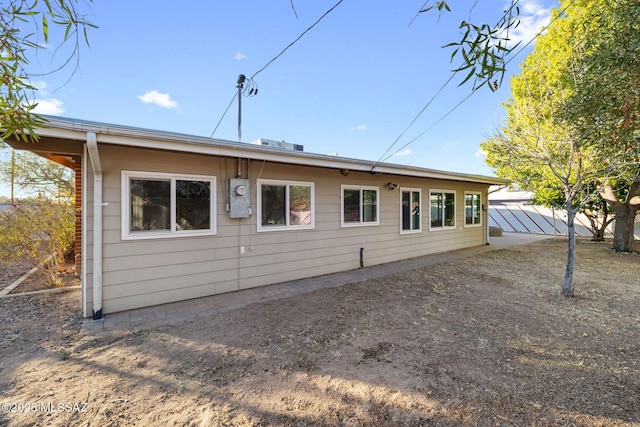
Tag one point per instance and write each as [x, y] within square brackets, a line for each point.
[46, 105]
[160, 99]
[533, 17]
[404, 152]
[51, 107]
[360, 128]
[41, 86]
[239, 56]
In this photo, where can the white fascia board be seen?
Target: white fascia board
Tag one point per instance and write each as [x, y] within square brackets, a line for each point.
[161, 140]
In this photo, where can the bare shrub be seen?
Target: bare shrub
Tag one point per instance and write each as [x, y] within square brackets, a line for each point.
[41, 232]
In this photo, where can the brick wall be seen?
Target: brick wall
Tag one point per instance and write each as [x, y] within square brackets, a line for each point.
[77, 169]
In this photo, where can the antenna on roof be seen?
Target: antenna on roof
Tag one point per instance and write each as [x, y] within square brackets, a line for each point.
[240, 85]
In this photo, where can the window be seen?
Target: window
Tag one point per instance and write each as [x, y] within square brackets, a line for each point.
[285, 205]
[472, 209]
[158, 205]
[443, 209]
[411, 209]
[360, 206]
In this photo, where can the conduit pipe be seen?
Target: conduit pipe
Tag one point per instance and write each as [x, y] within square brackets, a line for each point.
[94, 157]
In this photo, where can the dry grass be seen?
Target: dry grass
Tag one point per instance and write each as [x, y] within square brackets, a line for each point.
[486, 341]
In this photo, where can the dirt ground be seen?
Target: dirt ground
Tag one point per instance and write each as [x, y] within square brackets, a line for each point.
[486, 341]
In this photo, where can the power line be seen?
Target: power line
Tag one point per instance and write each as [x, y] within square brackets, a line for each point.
[296, 40]
[294, 9]
[224, 114]
[382, 158]
[254, 91]
[428, 129]
[473, 91]
[413, 121]
[418, 12]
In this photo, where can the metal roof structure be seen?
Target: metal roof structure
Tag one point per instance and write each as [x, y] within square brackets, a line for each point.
[513, 212]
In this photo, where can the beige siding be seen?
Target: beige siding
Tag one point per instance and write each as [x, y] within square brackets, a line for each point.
[139, 273]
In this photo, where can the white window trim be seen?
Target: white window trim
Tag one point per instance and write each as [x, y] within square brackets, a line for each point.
[465, 208]
[455, 208]
[412, 190]
[127, 234]
[267, 228]
[361, 223]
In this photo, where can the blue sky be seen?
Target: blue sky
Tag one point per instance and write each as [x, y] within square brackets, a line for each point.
[350, 86]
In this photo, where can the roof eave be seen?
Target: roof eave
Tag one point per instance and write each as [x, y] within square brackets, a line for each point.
[160, 140]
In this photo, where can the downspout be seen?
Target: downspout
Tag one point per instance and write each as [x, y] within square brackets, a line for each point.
[94, 156]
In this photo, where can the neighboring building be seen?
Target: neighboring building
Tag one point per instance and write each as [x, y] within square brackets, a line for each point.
[512, 211]
[167, 217]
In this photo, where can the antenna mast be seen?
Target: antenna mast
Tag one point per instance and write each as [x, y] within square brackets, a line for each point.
[241, 79]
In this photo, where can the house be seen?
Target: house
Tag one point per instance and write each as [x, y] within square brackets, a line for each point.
[164, 217]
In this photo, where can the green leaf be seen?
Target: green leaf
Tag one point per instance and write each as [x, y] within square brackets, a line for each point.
[47, 4]
[465, 57]
[466, 79]
[45, 28]
[86, 36]
[66, 32]
[463, 67]
[453, 54]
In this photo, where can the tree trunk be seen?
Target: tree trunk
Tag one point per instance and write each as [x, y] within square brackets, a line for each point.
[623, 238]
[599, 221]
[567, 287]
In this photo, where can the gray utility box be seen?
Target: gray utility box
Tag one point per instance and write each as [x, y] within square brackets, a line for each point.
[239, 198]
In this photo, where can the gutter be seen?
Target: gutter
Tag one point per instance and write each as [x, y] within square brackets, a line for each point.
[94, 156]
[59, 127]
